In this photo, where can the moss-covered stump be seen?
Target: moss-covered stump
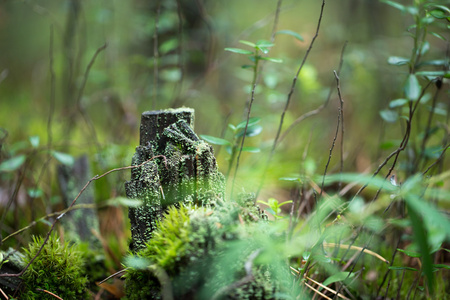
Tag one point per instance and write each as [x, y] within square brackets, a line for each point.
[183, 170]
[202, 253]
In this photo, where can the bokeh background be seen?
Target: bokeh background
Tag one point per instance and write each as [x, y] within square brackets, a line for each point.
[191, 68]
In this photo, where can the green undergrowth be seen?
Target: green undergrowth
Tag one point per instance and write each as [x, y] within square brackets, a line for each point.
[58, 269]
[192, 255]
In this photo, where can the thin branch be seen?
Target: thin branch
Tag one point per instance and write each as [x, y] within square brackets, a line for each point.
[81, 91]
[177, 91]
[52, 92]
[156, 55]
[275, 22]
[51, 215]
[437, 160]
[70, 207]
[294, 81]
[112, 275]
[3, 294]
[321, 107]
[256, 77]
[288, 100]
[341, 107]
[50, 293]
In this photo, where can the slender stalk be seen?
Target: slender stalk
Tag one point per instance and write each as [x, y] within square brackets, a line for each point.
[288, 100]
[156, 55]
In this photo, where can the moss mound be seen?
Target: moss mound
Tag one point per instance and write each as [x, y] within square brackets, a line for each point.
[58, 269]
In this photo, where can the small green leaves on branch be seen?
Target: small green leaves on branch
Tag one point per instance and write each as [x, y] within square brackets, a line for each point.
[12, 164]
[215, 140]
[291, 33]
[412, 88]
[260, 46]
[274, 206]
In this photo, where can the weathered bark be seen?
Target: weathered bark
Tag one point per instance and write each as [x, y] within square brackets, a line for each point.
[187, 172]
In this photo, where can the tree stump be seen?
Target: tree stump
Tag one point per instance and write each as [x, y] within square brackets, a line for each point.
[184, 170]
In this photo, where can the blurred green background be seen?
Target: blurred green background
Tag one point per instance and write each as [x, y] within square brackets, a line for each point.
[191, 68]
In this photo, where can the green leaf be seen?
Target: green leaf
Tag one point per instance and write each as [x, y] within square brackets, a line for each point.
[272, 59]
[412, 88]
[439, 36]
[136, 262]
[253, 45]
[420, 236]
[264, 46]
[285, 202]
[432, 73]
[214, 140]
[433, 62]
[357, 178]
[35, 193]
[441, 266]
[251, 122]
[291, 33]
[430, 213]
[168, 46]
[264, 43]
[397, 103]
[232, 127]
[63, 158]
[338, 277]
[398, 61]
[425, 47]
[295, 179]
[171, 74]
[410, 253]
[251, 149]
[239, 51]
[123, 201]
[402, 268]
[253, 130]
[34, 141]
[395, 4]
[12, 164]
[389, 116]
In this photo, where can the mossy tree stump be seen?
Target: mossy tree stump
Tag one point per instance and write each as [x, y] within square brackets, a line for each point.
[184, 170]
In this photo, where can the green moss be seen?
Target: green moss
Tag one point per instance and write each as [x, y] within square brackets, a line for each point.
[57, 269]
[182, 238]
[191, 246]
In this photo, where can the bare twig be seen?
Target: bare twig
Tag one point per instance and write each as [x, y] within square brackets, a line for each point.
[437, 160]
[340, 112]
[256, 76]
[275, 22]
[327, 288]
[288, 100]
[156, 54]
[50, 293]
[177, 91]
[80, 95]
[294, 81]
[321, 107]
[52, 92]
[70, 207]
[3, 294]
[112, 275]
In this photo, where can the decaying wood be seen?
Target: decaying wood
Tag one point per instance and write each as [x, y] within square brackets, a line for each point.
[187, 173]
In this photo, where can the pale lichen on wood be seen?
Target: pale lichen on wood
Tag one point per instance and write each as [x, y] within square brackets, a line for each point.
[184, 172]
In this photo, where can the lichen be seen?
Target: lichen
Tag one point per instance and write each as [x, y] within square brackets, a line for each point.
[188, 173]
